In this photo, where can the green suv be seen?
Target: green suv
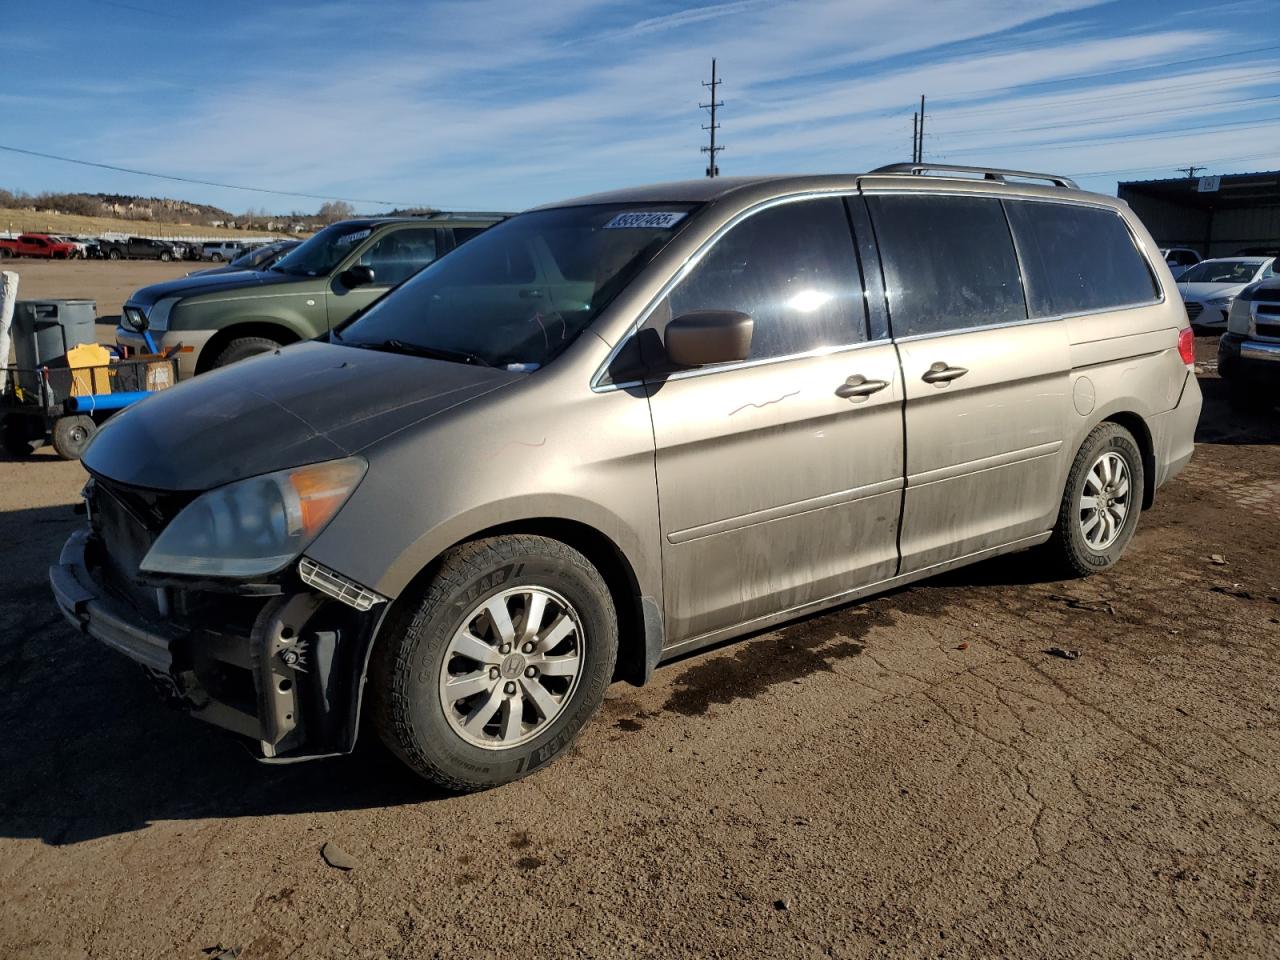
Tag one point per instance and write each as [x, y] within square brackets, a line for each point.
[221, 318]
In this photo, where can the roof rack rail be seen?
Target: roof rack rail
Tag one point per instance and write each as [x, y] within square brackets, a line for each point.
[988, 173]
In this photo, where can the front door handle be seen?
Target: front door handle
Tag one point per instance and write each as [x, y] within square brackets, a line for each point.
[941, 373]
[859, 387]
[530, 294]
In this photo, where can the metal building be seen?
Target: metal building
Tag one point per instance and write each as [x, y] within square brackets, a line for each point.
[1217, 216]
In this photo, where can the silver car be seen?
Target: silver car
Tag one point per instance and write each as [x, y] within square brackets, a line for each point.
[1211, 286]
[620, 428]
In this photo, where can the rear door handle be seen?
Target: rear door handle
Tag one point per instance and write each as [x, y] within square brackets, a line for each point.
[859, 387]
[941, 373]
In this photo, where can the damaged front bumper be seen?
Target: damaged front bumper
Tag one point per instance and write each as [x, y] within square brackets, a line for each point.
[282, 665]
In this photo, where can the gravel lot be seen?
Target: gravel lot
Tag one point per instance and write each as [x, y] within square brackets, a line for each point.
[912, 776]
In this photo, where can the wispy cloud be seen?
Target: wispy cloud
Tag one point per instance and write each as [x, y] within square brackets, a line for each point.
[502, 103]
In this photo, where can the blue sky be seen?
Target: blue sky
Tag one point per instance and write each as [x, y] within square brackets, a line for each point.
[503, 104]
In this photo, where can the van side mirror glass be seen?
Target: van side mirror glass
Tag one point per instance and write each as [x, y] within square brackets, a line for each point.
[356, 276]
[704, 337]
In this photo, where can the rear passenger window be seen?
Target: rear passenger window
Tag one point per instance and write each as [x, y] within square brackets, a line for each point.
[793, 269]
[1078, 259]
[948, 263]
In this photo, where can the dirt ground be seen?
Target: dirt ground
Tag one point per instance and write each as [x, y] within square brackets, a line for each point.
[108, 282]
[912, 776]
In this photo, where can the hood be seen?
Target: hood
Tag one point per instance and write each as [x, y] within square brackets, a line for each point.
[210, 283]
[1207, 291]
[304, 404]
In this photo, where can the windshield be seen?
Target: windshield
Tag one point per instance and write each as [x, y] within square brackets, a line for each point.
[522, 291]
[318, 256]
[1221, 271]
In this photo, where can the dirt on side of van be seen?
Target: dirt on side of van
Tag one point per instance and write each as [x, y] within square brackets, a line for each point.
[990, 764]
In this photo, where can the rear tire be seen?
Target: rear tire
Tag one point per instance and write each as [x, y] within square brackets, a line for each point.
[216, 258]
[113, 255]
[243, 348]
[456, 739]
[1101, 503]
[72, 434]
[166, 257]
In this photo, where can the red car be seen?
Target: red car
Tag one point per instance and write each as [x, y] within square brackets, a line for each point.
[37, 245]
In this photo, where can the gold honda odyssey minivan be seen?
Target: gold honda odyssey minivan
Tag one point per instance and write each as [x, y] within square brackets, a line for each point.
[616, 429]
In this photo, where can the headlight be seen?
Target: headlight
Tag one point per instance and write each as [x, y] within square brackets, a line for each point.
[134, 318]
[257, 526]
[1224, 302]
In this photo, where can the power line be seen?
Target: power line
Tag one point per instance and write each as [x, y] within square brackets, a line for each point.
[1191, 171]
[1128, 138]
[1150, 66]
[1078, 101]
[205, 183]
[1207, 163]
[1115, 116]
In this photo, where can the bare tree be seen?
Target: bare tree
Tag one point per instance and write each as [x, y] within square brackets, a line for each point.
[334, 210]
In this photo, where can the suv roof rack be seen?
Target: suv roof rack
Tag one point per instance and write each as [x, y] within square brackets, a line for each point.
[987, 173]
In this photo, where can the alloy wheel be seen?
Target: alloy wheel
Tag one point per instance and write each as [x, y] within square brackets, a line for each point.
[511, 667]
[1105, 501]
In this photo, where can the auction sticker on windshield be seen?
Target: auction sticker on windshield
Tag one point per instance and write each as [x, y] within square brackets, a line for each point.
[649, 219]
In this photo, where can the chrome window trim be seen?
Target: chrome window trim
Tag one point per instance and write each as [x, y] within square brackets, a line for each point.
[684, 269]
[1024, 323]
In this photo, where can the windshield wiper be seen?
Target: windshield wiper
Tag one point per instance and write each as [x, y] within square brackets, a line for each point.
[435, 353]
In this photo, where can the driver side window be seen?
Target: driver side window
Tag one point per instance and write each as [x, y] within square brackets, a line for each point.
[400, 254]
[793, 268]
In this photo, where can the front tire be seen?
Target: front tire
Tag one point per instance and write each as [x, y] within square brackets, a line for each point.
[243, 348]
[499, 665]
[1101, 503]
[166, 257]
[114, 255]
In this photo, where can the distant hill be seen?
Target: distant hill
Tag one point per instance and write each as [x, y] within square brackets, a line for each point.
[156, 210]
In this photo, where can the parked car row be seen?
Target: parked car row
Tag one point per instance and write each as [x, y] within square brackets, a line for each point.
[511, 461]
[52, 247]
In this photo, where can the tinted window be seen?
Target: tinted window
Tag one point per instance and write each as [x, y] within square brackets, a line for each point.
[1222, 271]
[1078, 258]
[948, 263]
[792, 268]
[400, 254]
[462, 234]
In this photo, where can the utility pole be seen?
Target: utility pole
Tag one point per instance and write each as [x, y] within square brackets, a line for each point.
[919, 157]
[713, 169]
[1191, 171]
[915, 135]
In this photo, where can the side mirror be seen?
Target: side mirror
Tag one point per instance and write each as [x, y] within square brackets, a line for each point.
[708, 336]
[357, 276]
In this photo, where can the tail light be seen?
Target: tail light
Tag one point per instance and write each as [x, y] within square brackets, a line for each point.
[1187, 346]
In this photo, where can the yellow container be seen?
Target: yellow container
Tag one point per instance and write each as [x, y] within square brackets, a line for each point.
[89, 363]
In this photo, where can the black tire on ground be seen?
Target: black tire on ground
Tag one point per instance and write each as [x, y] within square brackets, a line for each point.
[72, 434]
[406, 705]
[113, 254]
[1071, 552]
[243, 348]
[216, 258]
[5, 253]
[166, 256]
[16, 435]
